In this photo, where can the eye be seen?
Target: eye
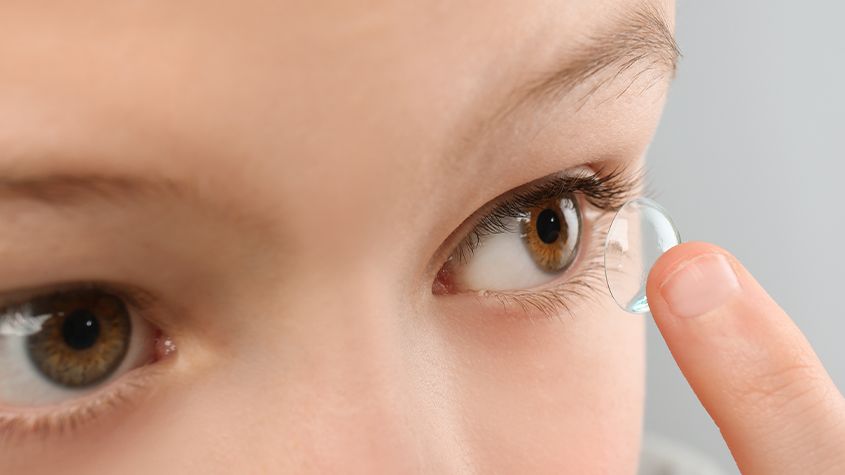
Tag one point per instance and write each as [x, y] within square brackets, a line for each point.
[536, 246]
[63, 345]
[527, 249]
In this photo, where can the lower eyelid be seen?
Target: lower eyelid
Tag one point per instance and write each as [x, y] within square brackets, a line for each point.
[583, 281]
[20, 424]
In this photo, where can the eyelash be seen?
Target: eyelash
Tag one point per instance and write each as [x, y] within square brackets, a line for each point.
[50, 421]
[602, 191]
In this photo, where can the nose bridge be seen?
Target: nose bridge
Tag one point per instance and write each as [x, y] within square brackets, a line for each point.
[361, 355]
[345, 386]
[359, 376]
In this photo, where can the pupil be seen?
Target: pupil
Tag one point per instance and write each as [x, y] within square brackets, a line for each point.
[548, 226]
[81, 329]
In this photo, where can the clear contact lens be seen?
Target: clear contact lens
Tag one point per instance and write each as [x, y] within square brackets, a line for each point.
[640, 232]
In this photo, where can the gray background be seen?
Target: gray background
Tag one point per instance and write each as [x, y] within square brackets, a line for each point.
[750, 156]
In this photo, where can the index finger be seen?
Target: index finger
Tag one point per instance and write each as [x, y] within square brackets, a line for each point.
[750, 366]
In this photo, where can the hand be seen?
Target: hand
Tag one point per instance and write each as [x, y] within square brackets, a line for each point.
[748, 363]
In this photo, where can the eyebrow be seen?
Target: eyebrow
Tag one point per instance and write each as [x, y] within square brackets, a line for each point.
[69, 190]
[640, 42]
[63, 189]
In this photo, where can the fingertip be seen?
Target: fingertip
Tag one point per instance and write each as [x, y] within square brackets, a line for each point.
[677, 254]
[671, 262]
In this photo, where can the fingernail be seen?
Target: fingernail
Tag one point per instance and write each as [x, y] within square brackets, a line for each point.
[699, 285]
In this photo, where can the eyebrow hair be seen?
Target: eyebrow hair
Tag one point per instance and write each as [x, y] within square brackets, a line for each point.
[66, 190]
[62, 189]
[641, 41]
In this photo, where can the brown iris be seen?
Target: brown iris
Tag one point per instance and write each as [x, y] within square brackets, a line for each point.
[551, 233]
[84, 339]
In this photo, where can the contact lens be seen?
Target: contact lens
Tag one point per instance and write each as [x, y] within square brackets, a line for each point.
[641, 231]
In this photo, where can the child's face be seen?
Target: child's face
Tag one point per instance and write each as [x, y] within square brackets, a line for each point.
[284, 182]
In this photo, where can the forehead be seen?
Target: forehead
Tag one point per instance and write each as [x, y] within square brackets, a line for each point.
[271, 96]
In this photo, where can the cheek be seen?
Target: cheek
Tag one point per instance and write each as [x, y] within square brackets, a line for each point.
[559, 395]
[445, 390]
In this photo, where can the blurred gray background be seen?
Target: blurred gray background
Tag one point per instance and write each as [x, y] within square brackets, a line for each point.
[750, 156]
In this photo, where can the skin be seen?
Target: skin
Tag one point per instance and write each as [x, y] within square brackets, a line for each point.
[310, 175]
[316, 180]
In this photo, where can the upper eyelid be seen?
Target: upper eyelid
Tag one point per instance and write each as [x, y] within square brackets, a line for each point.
[606, 190]
[135, 297]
